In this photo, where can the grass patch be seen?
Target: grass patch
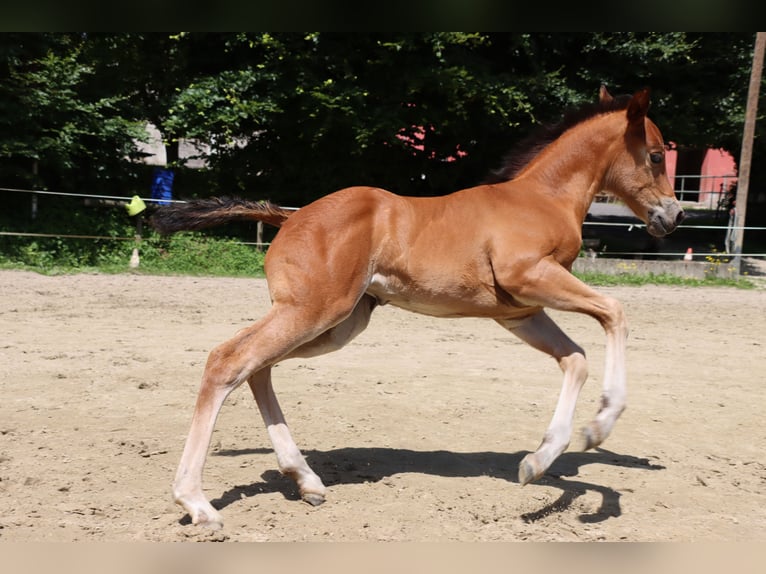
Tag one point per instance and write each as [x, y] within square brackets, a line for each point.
[606, 279]
[190, 253]
[195, 254]
[180, 254]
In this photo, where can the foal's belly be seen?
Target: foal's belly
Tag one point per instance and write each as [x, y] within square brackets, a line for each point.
[447, 300]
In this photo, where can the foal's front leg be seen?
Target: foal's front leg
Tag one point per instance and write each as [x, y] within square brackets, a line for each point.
[551, 285]
[540, 332]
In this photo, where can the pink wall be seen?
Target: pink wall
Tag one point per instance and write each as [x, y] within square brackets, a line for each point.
[717, 163]
[671, 158]
[718, 171]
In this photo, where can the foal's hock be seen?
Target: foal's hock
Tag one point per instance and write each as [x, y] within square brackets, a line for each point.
[502, 250]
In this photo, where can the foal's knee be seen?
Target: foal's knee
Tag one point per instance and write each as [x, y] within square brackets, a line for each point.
[614, 318]
[575, 363]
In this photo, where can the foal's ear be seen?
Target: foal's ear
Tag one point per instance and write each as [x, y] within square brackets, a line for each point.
[637, 108]
[604, 97]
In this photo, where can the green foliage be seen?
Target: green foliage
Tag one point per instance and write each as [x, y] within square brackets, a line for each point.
[57, 122]
[181, 254]
[293, 116]
[65, 236]
[296, 116]
[48, 247]
[54, 255]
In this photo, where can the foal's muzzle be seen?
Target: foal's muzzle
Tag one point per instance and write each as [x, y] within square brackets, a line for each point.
[664, 218]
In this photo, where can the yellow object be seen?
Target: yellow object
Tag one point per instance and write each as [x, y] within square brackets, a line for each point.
[136, 205]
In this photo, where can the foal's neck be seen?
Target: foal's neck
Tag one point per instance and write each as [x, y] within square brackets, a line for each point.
[574, 166]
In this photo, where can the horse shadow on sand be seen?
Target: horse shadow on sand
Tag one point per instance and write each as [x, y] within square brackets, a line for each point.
[356, 465]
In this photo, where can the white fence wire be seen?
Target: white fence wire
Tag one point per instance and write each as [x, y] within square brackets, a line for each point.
[116, 198]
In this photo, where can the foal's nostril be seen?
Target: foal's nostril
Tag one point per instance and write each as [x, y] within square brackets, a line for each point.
[680, 217]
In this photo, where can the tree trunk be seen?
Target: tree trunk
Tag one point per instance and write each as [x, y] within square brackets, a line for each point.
[171, 153]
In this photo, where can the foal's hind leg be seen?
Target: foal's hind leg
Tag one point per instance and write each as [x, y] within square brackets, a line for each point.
[251, 350]
[289, 458]
[543, 334]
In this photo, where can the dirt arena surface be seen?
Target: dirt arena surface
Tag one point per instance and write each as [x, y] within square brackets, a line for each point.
[417, 427]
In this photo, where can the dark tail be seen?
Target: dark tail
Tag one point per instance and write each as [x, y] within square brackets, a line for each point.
[203, 213]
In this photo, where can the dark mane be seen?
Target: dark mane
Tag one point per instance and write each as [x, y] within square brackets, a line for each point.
[528, 148]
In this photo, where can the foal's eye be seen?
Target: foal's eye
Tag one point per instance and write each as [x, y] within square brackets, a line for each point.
[655, 157]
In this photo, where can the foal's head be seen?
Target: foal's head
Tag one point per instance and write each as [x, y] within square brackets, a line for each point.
[637, 174]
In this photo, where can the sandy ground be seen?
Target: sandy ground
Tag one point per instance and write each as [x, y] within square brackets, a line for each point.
[416, 427]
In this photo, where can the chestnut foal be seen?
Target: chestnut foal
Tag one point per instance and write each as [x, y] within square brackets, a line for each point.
[502, 250]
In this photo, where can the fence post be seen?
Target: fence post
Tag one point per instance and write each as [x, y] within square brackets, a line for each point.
[135, 260]
[747, 147]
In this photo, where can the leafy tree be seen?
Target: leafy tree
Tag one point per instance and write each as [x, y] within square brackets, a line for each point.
[293, 116]
[299, 115]
[149, 69]
[58, 131]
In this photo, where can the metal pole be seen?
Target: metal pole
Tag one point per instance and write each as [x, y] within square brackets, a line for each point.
[746, 155]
